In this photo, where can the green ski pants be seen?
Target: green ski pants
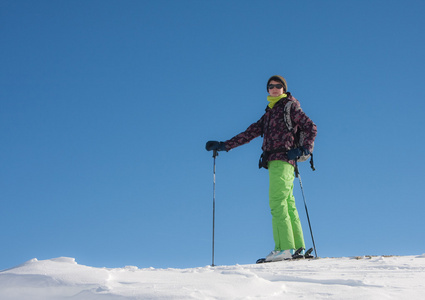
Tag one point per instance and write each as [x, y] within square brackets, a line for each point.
[287, 231]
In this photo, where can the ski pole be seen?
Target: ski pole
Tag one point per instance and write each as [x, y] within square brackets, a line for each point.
[215, 154]
[297, 174]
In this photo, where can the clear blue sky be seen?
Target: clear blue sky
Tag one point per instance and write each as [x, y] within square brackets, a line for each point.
[105, 108]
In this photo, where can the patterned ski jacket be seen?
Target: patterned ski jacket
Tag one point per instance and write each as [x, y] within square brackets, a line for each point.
[277, 139]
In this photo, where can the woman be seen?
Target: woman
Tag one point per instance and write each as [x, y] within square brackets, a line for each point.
[279, 154]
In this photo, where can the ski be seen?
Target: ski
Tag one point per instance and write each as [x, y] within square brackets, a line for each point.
[295, 256]
[308, 253]
[261, 261]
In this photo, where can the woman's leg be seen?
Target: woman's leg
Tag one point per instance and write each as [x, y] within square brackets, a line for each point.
[287, 231]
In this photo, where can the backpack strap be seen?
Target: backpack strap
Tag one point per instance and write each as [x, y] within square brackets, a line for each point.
[287, 116]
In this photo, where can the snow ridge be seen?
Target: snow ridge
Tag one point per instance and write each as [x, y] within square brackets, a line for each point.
[365, 277]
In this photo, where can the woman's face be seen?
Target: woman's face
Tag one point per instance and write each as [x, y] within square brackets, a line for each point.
[274, 89]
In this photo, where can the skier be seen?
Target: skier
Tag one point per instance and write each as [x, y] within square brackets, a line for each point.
[279, 155]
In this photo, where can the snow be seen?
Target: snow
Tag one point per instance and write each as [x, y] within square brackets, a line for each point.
[368, 277]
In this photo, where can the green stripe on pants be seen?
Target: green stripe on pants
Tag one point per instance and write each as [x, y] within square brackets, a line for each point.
[287, 231]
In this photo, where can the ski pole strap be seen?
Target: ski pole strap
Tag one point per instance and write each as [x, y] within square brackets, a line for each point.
[296, 169]
[312, 163]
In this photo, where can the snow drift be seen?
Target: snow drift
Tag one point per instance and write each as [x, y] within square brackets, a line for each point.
[327, 278]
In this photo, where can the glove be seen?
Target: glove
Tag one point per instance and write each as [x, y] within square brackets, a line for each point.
[214, 145]
[293, 154]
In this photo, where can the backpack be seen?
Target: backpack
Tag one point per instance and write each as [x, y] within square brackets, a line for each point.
[299, 135]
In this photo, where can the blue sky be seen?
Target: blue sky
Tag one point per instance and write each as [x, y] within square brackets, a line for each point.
[105, 108]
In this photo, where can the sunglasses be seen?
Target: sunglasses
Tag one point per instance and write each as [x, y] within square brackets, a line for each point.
[278, 86]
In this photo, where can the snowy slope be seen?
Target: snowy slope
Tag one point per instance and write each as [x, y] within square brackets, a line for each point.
[326, 278]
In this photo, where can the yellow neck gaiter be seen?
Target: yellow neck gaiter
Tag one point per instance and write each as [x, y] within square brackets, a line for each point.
[274, 100]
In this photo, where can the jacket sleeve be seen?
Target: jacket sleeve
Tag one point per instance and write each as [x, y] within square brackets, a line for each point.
[302, 121]
[253, 131]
